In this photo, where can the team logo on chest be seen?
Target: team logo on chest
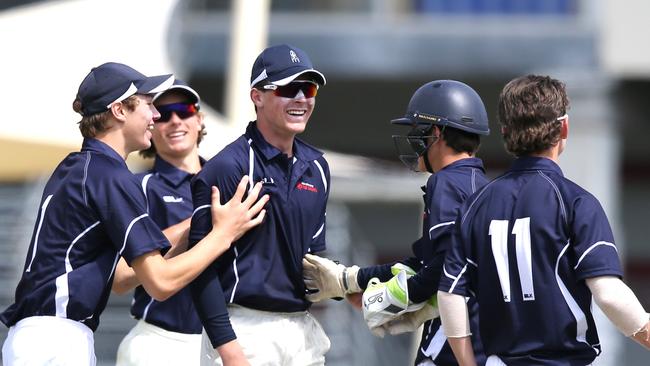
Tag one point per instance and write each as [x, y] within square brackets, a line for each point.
[304, 186]
[172, 199]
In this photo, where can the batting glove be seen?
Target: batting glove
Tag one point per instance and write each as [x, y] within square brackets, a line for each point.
[411, 321]
[384, 301]
[326, 279]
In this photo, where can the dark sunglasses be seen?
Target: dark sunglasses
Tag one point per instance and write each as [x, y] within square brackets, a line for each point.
[290, 90]
[182, 110]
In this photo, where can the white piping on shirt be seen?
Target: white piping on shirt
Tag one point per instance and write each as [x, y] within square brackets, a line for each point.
[455, 278]
[38, 231]
[126, 236]
[234, 267]
[592, 247]
[559, 196]
[322, 173]
[145, 181]
[200, 208]
[578, 314]
[146, 309]
[320, 230]
[251, 182]
[62, 294]
[251, 165]
[440, 225]
[83, 180]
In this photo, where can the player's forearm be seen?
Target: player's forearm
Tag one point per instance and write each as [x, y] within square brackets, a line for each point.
[453, 315]
[178, 235]
[462, 348]
[618, 303]
[232, 354]
[642, 336]
[381, 271]
[455, 322]
[163, 278]
[210, 305]
[124, 279]
[424, 283]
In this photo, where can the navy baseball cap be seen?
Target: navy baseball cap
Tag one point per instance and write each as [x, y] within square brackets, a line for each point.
[281, 64]
[181, 86]
[113, 82]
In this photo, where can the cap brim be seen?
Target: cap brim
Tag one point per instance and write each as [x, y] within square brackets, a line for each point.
[318, 77]
[184, 88]
[156, 84]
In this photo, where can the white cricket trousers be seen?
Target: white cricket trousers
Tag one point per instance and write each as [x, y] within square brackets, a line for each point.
[496, 361]
[147, 344]
[278, 339]
[48, 340]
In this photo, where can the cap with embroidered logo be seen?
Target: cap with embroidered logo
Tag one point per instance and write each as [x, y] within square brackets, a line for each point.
[113, 82]
[281, 64]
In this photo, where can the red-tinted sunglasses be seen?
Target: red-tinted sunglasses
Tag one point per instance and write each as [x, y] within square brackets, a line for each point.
[182, 110]
[290, 90]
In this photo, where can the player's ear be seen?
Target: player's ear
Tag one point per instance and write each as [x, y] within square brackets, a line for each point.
[564, 130]
[256, 97]
[118, 110]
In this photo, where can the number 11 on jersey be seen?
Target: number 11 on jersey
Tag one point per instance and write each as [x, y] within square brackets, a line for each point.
[499, 239]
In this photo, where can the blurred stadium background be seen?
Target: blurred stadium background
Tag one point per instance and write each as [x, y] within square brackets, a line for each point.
[375, 53]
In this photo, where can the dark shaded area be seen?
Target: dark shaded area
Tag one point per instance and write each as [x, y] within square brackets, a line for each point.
[6, 4]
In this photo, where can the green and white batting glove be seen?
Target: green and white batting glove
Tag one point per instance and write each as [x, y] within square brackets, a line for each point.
[325, 279]
[411, 321]
[384, 301]
[398, 267]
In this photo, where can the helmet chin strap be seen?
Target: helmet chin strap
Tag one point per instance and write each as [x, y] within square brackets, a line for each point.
[427, 164]
[425, 156]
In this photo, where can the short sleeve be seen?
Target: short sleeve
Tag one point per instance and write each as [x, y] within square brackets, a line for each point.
[121, 206]
[457, 268]
[592, 240]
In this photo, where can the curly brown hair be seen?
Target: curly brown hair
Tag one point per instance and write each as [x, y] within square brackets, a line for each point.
[529, 108]
[93, 125]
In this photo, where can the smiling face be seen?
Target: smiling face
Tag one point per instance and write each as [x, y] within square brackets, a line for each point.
[279, 118]
[138, 124]
[177, 137]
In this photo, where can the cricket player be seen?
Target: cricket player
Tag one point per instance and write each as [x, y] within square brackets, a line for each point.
[446, 119]
[167, 332]
[92, 213]
[535, 249]
[258, 282]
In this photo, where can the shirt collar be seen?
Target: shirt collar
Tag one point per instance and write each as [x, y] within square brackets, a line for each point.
[301, 150]
[467, 162]
[171, 173]
[94, 145]
[536, 163]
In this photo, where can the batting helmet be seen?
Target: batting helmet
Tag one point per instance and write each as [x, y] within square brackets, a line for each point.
[446, 103]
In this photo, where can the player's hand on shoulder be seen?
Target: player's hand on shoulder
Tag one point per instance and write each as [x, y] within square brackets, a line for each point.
[238, 215]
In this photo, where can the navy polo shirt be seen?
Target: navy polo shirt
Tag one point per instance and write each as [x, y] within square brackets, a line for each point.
[263, 269]
[91, 213]
[169, 200]
[445, 191]
[524, 246]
